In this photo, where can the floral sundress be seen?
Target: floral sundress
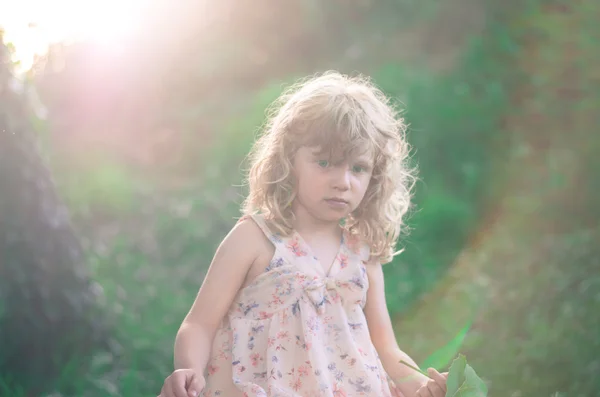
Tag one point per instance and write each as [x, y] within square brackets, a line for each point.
[296, 331]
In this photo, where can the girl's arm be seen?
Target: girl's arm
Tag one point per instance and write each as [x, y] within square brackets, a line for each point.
[384, 340]
[225, 276]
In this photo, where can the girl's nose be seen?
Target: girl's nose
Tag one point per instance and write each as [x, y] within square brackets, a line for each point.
[342, 179]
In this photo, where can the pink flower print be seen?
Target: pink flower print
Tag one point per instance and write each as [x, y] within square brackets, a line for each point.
[223, 354]
[276, 301]
[353, 242]
[294, 246]
[254, 359]
[284, 318]
[327, 319]
[280, 347]
[338, 391]
[264, 315]
[300, 278]
[296, 384]
[303, 370]
[256, 391]
[343, 259]
[283, 335]
[335, 297]
[271, 341]
[302, 343]
[212, 369]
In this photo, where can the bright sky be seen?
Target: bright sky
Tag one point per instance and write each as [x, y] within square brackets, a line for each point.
[31, 25]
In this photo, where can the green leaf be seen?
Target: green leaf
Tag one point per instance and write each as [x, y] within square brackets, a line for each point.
[440, 358]
[463, 381]
[456, 375]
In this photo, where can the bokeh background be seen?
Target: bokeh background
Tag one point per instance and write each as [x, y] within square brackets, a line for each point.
[123, 131]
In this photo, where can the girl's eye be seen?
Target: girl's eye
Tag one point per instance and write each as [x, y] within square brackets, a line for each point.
[358, 169]
[323, 163]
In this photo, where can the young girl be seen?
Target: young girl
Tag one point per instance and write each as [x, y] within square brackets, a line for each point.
[293, 303]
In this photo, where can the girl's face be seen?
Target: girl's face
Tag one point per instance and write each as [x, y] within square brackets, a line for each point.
[330, 191]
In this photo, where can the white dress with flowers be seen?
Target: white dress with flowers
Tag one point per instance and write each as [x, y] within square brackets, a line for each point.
[296, 331]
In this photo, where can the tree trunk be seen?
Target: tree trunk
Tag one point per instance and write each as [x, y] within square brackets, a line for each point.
[49, 313]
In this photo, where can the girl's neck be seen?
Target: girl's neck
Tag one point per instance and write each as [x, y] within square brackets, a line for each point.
[306, 224]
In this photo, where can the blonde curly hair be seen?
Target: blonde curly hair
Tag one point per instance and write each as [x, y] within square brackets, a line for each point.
[342, 115]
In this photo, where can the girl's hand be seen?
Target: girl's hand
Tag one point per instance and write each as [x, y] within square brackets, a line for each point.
[183, 383]
[434, 387]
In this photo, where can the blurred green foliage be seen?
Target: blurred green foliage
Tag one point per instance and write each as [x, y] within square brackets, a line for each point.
[453, 118]
[150, 242]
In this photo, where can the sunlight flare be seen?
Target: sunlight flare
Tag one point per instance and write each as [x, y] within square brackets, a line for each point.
[32, 25]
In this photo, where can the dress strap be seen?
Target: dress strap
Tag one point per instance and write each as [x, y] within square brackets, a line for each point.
[262, 224]
[259, 219]
[281, 243]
